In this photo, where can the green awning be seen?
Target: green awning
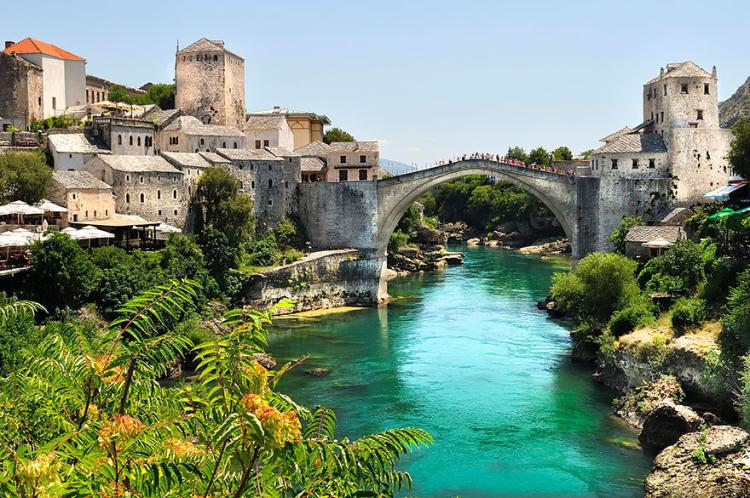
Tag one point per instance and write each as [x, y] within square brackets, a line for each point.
[723, 213]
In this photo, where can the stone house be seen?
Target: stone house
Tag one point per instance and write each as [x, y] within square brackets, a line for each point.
[63, 77]
[21, 91]
[192, 165]
[188, 134]
[210, 84]
[268, 131]
[85, 197]
[344, 161]
[147, 186]
[125, 136]
[97, 89]
[306, 127]
[70, 151]
[672, 159]
[644, 242]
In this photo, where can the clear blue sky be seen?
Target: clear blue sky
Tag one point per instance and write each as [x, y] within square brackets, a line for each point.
[429, 78]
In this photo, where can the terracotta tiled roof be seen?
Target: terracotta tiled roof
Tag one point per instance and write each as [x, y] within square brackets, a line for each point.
[34, 46]
[634, 142]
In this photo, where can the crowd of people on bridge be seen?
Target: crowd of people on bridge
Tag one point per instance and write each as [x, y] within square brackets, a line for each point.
[509, 161]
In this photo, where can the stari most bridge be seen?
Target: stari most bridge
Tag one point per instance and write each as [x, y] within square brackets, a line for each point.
[363, 215]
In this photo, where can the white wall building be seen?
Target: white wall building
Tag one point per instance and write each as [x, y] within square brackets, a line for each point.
[70, 151]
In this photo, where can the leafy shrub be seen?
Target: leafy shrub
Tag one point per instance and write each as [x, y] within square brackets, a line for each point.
[632, 316]
[680, 267]
[398, 240]
[688, 313]
[262, 252]
[291, 255]
[599, 286]
[617, 237]
[655, 352]
[735, 333]
[289, 233]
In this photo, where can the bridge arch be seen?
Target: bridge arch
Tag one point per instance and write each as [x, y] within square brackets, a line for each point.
[557, 192]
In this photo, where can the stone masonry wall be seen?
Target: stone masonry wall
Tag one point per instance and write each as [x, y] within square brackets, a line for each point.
[699, 164]
[200, 86]
[20, 91]
[327, 279]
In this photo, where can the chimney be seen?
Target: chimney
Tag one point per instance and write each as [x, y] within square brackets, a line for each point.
[661, 73]
[713, 72]
[9, 44]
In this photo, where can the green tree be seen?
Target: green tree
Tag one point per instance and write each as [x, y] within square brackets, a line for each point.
[61, 274]
[617, 237]
[224, 207]
[17, 331]
[85, 416]
[162, 95]
[735, 333]
[681, 266]
[600, 285]
[539, 156]
[337, 135]
[23, 176]
[517, 153]
[562, 153]
[587, 153]
[739, 153]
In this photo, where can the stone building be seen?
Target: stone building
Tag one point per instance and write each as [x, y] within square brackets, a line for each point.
[70, 151]
[188, 134]
[147, 186]
[85, 197]
[192, 165]
[97, 89]
[21, 91]
[306, 127]
[644, 242]
[210, 83]
[675, 156]
[125, 136]
[343, 161]
[63, 78]
[268, 131]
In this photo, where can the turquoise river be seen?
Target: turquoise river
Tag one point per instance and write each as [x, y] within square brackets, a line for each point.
[465, 355]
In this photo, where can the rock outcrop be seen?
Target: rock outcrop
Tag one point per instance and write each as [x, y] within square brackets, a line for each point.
[635, 406]
[735, 107]
[665, 424]
[414, 259]
[712, 463]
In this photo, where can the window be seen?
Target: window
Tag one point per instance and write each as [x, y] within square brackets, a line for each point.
[74, 196]
[175, 212]
[216, 58]
[662, 116]
[139, 141]
[252, 184]
[235, 145]
[269, 167]
[343, 175]
[684, 89]
[614, 163]
[127, 198]
[270, 183]
[95, 213]
[363, 174]
[652, 163]
[286, 184]
[127, 178]
[70, 156]
[87, 214]
[270, 202]
[131, 140]
[203, 142]
[106, 212]
[223, 145]
[141, 178]
[242, 185]
[342, 159]
[160, 212]
[119, 139]
[665, 89]
[75, 217]
[158, 194]
[143, 197]
[708, 154]
[54, 102]
[174, 194]
[266, 143]
[257, 144]
[635, 163]
[362, 159]
[699, 115]
[706, 89]
[40, 101]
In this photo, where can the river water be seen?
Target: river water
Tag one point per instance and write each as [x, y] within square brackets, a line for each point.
[465, 355]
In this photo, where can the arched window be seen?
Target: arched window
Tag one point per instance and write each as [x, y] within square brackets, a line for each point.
[203, 142]
[235, 145]
[223, 145]
[127, 198]
[119, 139]
[143, 197]
[139, 141]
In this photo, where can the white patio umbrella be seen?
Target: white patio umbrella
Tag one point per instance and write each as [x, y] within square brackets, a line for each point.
[50, 207]
[91, 233]
[163, 227]
[20, 209]
[10, 239]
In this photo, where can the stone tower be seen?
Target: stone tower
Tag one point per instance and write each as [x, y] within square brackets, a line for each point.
[210, 83]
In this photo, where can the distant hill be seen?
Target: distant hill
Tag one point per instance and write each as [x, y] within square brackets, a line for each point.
[735, 107]
[396, 168]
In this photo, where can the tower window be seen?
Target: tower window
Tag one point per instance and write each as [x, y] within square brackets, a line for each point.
[139, 141]
[706, 89]
[223, 145]
[216, 58]
[662, 116]
[158, 194]
[684, 89]
[143, 197]
[174, 194]
[131, 140]
[699, 115]
[614, 163]
[119, 139]
[708, 155]
[252, 184]
[270, 183]
[203, 142]
[635, 163]
[652, 163]
[665, 89]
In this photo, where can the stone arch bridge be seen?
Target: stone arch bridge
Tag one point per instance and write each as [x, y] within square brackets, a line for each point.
[363, 215]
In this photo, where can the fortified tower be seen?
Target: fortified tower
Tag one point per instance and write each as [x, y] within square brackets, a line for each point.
[210, 83]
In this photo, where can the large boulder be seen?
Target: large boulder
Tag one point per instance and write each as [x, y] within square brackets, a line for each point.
[712, 463]
[666, 423]
[637, 404]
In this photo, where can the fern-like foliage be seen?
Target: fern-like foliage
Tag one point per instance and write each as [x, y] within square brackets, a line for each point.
[89, 416]
[16, 310]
